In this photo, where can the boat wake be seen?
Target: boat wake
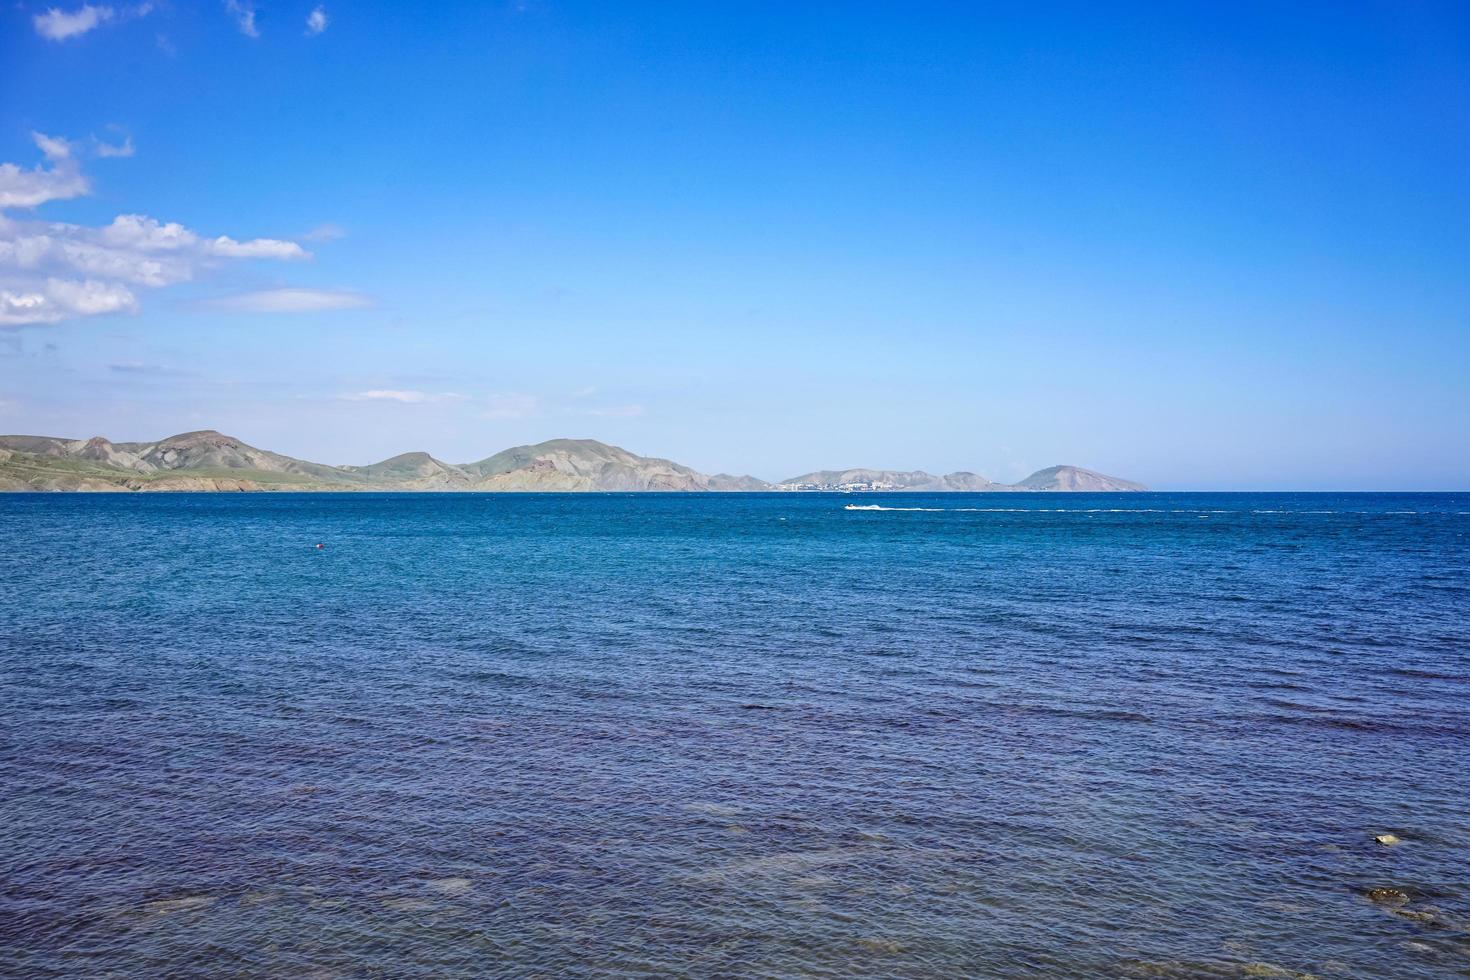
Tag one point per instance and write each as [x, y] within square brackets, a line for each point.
[927, 510]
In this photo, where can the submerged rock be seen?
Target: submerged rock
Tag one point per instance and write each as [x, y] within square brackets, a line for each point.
[408, 904]
[1388, 896]
[714, 809]
[1197, 969]
[791, 864]
[450, 886]
[1272, 970]
[185, 904]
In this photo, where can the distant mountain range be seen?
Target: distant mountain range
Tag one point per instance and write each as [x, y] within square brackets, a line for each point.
[210, 460]
[1052, 478]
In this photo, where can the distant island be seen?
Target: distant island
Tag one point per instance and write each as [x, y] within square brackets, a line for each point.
[212, 461]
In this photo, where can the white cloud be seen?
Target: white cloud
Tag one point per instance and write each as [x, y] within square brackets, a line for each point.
[28, 188]
[22, 307]
[316, 21]
[403, 397]
[54, 271]
[58, 25]
[617, 411]
[257, 248]
[53, 148]
[62, 299]
[90, 298]
[244, 13]
[144, 234]
[291, 301]
[133, 249]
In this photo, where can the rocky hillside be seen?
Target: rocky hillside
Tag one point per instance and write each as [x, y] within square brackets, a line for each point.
[206, 460]
[1076, 479]
[414, 471]
[579, 465]
[209, 460]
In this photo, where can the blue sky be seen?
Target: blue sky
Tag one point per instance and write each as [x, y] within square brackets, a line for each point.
[1206, 246]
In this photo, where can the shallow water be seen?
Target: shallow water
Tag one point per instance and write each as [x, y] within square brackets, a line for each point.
[1053, 735]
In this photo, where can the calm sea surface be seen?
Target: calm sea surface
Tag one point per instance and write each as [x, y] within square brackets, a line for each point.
[588, 735]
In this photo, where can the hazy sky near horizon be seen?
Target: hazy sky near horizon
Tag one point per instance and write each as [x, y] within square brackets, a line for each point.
[1206, 246]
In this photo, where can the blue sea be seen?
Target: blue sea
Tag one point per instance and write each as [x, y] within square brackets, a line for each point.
[1141, 735]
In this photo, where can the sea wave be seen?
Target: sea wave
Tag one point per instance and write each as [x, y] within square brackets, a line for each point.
[1033, 510]
[1144, 510]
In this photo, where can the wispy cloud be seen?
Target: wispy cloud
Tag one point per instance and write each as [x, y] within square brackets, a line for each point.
[244, 13]
[58, 25]
[291, 300]
[61, 25]
[403, 397]
[54, 271]
[617, 411]
[123, 149]
[512, 406]
[316, 22]
[496, 407]
[325, 233]
[142, 368]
